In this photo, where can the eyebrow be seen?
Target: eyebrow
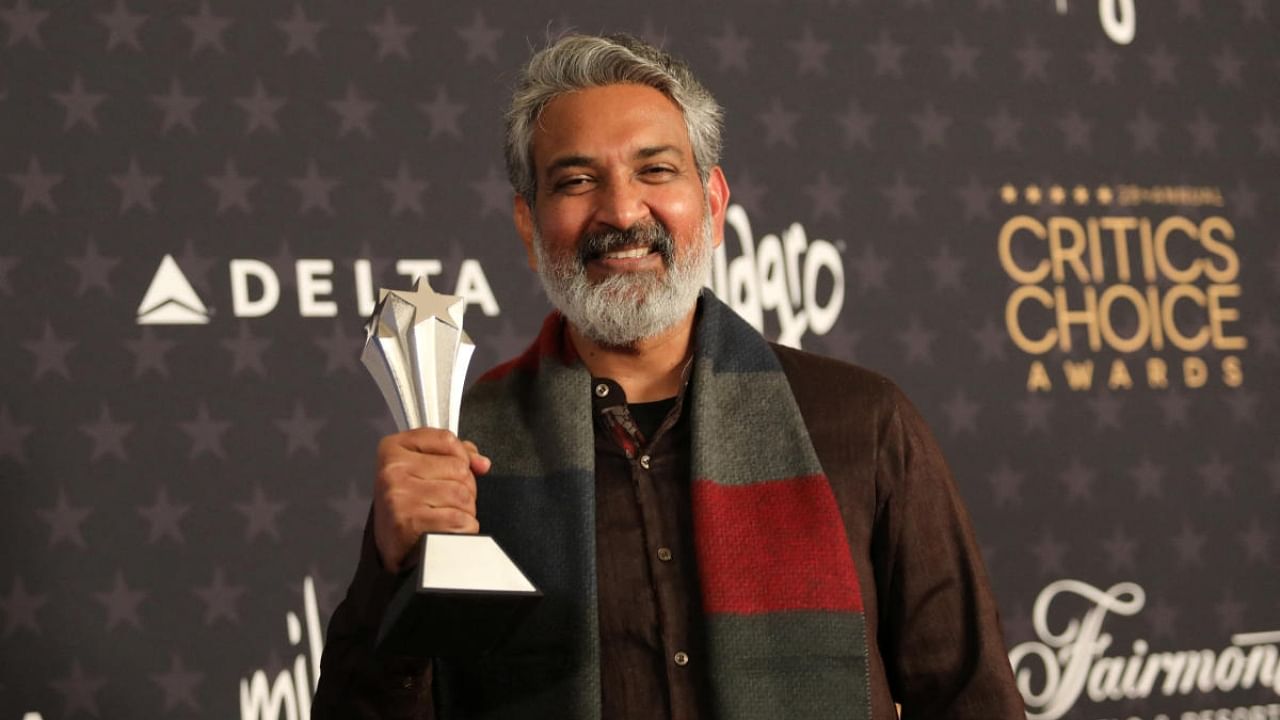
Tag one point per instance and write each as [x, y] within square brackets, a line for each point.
[568, 161]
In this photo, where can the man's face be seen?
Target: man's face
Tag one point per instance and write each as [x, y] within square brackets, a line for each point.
[622, 227]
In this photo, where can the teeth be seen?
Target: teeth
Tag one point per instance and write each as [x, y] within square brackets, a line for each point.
[627, 254]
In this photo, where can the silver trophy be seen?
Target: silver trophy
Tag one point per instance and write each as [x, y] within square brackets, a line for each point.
[461, 592]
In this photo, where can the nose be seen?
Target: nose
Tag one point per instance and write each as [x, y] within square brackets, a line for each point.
[621, 204]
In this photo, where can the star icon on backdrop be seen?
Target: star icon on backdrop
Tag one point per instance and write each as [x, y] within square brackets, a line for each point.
[902, 197]
[1145, 132]
[23, 23]
[1121, 551]
[1204, 133]
[1033, 60]
[64, 520]
[121, 603]
[1243, 405]
[443, 114]
[732, 49]
[1106, 407]
[178, 107]
[932, 126]
[220, 598]
[946, 269]
[232, 188]
[826, 197]
[178, 684]
[1035, 410]
[300, 430]
[196, 266]
[1189, 545]
[164, 518]
[341, 349]
[1006, 485]
[405, 190]
[855, 125]
[205, 434]
[284, 262]
[1175, 408]
[1228, 67]
[260, 516]
[1162, 65]
[1076, 130]
[122, 26]
[50, 352]
[1216, 477]
[352, 508]
[150, 353]
[1102, 61]
[481, 39]
[79, 105]
[1230, 611]
[79, 690]
[961, 58]
[21, 608]
[962, 412]
[1148, 479]
[206, 29]
[93, 269]
[391, 35]
[246, 351]
[260, 109]
[135, 188]
[917, 342]
[976, 199]
[1256, 543]
[494, 191]
[1077, 479]
[354, 112]
[1264, 336]
[1005, 130]
[779, 124]
[749, 193]
[300, 32]
[886, 55]
[811, 53]
[108, 435]
[870, 269]
[1049, 554]
[36, 186]
[1267, 133]
[13, 437]
[314, 190]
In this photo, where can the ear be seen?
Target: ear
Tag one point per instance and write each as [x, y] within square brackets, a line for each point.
[522, 215]
[717, 202]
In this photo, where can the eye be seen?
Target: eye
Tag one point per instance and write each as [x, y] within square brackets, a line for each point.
[657, 172]
[574, 184]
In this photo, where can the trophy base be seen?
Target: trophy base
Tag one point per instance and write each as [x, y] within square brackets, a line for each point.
[461, 598]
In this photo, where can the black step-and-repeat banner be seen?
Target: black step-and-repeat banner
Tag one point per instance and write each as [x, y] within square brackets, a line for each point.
[1054, 222]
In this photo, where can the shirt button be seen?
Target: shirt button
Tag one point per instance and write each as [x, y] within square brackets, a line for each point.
[681, 658]
[664, 554]
[644, 461]
[601, 390]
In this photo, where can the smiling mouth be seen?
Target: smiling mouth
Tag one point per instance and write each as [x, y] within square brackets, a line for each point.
[627, 253]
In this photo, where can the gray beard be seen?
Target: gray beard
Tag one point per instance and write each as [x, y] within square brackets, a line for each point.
[622, 310]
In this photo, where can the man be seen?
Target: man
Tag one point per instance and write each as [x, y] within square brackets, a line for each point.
[722, 528]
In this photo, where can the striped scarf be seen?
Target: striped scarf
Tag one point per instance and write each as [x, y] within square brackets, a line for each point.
[785, 629]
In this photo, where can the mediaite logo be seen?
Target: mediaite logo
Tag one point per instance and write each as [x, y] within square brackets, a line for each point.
[170, 299]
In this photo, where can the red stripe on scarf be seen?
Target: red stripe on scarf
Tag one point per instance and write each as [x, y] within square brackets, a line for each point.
[773, 546]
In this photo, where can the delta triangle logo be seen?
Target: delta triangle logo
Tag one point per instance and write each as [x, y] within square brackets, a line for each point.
[170, 300]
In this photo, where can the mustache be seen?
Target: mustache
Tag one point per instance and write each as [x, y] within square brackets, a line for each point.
[651, 234]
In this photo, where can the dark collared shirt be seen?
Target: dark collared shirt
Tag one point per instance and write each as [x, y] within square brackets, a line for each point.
[649, 600]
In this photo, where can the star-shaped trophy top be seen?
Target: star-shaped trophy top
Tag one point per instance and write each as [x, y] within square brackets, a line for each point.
[417, 352]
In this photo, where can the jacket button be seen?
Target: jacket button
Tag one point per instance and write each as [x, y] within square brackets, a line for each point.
[601, 390]
[681, 658]
[644, 461]
[664, 554]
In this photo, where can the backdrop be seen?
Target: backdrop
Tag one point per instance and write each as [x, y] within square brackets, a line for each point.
[1053, 222]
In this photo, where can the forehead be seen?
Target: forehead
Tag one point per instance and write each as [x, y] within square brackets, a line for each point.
[613, 119]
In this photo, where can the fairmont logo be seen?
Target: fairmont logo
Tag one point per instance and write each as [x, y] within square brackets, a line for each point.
[1055, 671]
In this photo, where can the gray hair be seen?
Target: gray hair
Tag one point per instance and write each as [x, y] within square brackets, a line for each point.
[577, 62]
